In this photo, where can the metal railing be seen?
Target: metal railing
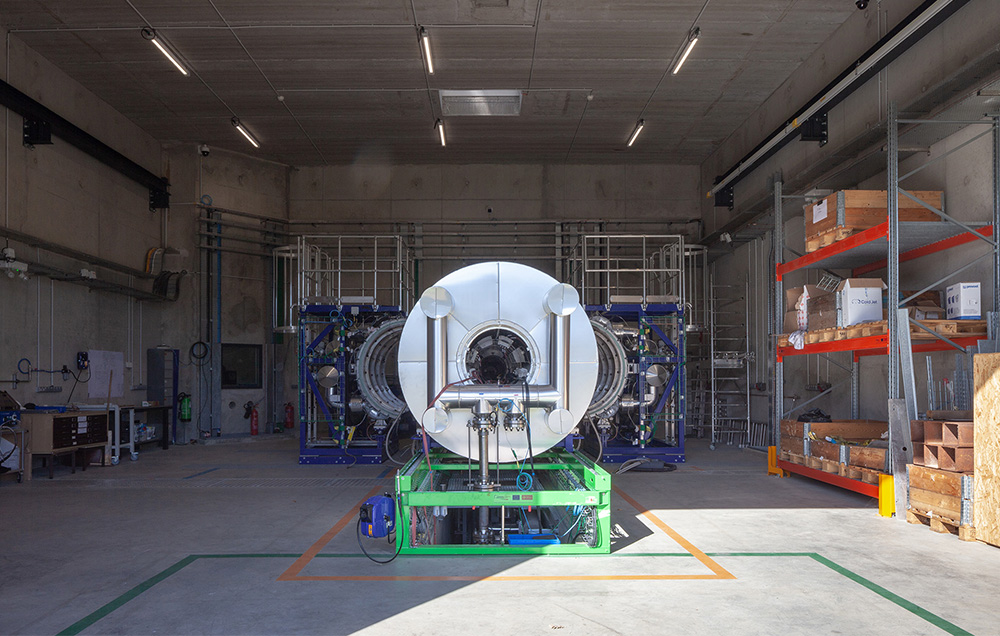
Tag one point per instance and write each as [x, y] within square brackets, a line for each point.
[630, 268]
[355, 270]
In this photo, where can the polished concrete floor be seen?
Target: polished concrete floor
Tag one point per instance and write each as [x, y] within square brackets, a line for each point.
[201, 539]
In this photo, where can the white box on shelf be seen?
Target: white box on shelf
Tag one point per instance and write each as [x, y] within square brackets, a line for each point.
[962, 301]
[860, 300]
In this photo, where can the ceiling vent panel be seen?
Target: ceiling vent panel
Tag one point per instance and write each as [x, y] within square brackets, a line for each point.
[483, 103]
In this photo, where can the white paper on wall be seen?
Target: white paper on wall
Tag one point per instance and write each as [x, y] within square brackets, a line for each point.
[102, 364]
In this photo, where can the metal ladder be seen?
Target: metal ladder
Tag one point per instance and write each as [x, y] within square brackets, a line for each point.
[730, 363]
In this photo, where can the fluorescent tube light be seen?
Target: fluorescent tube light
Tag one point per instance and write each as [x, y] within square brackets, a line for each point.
[246, 133]
[692, 40]
[639, 125]
[150, 34]
[440, 127]
[426, 42]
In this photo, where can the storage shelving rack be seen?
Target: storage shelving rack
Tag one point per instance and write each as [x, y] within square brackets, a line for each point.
[887, 246]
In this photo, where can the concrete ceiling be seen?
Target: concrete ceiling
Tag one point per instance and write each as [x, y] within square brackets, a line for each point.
[355, 87]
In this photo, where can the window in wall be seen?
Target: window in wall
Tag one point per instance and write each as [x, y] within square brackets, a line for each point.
[241, 366]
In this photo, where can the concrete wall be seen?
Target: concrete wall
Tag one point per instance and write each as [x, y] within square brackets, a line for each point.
[232, 301]
[61, 195]
[648, 197]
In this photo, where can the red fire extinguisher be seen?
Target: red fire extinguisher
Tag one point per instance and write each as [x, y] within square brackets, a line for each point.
[289, 415]
[250, 413]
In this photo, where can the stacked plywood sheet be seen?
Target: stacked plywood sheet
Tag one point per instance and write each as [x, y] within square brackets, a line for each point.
[986, 456]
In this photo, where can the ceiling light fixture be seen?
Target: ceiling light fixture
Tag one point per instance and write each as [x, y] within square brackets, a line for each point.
[425, 40]
[149, 33]
[246, 133]
[692, 40]
[639, 125]
[440, 128]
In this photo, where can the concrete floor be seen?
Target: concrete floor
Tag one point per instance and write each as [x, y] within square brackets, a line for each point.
[193, 540]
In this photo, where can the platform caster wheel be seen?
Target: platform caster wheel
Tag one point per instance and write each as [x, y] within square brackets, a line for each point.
[711, 447]
[133, 456]
[114, 461]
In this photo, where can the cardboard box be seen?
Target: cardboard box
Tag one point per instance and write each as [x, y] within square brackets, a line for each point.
[962, 301]
[823, 311]
[791, 321]
[926, 312]
[809, 307]
[862, 209]
[860, 300]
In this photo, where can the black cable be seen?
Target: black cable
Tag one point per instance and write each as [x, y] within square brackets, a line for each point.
[362, 545]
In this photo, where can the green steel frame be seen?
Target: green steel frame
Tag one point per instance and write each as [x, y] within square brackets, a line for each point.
[414, 490]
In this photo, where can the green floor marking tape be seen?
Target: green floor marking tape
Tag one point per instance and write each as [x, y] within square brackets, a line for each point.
[930, 617]
[933, 619]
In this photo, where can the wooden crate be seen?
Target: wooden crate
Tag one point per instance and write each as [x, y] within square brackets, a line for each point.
[848, 211]
[943, 445]
[942, 499]
[868, 457]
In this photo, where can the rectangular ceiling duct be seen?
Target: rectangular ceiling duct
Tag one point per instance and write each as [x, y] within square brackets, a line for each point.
[490, 103]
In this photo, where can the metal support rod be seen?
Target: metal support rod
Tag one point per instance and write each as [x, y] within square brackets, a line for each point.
[940, 157]
[909, 382]
[855, 390]
[834, 362]
[813, 399]
[892, 205]
[928, 330]
[946, 217]
[945, 278]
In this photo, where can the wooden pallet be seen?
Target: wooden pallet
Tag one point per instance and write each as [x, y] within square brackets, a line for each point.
[947, 328]
[856, 473]
[942, 525]
[960, 328]
[829, 237]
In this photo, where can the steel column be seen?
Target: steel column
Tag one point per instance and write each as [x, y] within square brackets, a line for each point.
[995, 332]
[778, 302]
[892, 204]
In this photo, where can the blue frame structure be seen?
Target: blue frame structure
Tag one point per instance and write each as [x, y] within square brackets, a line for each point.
[669, 407]
[314, 410]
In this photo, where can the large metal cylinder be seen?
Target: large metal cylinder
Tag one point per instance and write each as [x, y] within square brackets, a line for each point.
[506, 333]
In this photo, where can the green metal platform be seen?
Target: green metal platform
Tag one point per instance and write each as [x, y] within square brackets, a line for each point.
[570, 499]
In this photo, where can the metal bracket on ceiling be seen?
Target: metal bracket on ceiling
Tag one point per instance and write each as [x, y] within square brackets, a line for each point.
[815, 129]
[36, 132]
[159, 198]
[724, 198]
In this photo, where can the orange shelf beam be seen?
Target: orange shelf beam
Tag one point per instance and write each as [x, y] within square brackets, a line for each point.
[926, 250]
[841, 246]
[877, 344]
[836, 480]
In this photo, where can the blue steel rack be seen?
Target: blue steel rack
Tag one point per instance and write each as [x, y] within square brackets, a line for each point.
[315, 413]
[669, 408]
